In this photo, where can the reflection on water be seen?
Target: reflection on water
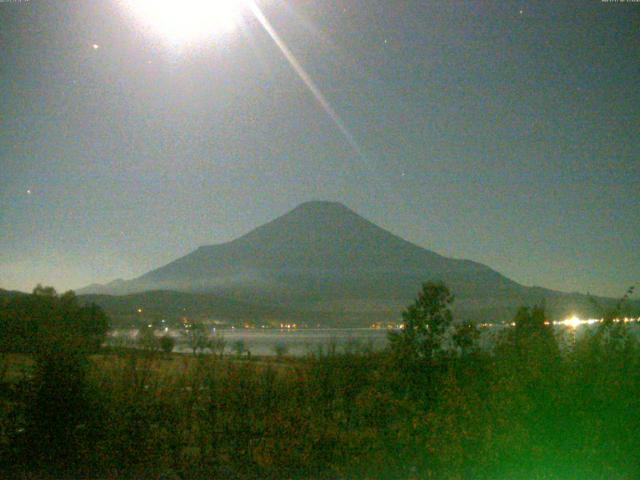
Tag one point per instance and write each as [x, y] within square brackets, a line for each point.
[300, 342]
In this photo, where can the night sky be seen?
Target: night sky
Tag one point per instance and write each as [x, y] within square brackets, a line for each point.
[502, 132]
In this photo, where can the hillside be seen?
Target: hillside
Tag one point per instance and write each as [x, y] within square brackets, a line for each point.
[171, 305]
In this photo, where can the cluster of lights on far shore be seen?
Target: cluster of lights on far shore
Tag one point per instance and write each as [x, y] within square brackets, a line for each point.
[572, 322]
[575, 322]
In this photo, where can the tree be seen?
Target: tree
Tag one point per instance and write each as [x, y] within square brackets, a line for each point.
[45, 320]
[147, 339]
[529, 356]
[612, 335]
[61, 334]
[167, 344]
[57, 406]
[197, 337]
[239, 347]
[425, 323]
[465, 338]
[217, 344]
[41, 291]
[533, 334]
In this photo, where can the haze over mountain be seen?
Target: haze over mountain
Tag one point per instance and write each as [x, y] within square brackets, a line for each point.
[323, 258]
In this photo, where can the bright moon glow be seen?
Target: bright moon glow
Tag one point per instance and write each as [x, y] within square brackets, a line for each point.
[185, 21]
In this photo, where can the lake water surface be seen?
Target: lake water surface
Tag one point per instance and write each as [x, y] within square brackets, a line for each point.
[300, 342]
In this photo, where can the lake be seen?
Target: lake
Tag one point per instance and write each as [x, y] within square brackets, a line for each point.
[300, 342]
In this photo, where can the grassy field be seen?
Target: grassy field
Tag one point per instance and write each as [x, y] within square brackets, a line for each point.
[527, 410]
[536, 405]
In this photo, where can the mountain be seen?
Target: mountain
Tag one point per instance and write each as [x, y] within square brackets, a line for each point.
[324, 259]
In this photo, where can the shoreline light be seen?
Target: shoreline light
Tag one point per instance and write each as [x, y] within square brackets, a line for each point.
[573, 322]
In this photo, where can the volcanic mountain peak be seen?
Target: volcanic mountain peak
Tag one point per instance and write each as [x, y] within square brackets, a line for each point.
[321, 235]
[322, 206]
[311, 219]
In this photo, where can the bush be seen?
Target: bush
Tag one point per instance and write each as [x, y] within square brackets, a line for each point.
[167, 344]
[280, 349]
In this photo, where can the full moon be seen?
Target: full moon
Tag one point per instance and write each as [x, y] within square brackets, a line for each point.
[186, 21]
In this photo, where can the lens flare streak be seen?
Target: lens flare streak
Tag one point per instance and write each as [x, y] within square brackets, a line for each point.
[306, 78]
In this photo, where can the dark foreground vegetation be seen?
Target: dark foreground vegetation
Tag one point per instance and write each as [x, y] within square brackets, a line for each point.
[540, 405]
